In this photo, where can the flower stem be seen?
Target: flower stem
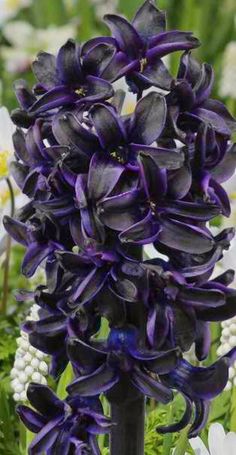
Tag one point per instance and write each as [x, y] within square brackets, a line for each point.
[127, 413]
[3, 306]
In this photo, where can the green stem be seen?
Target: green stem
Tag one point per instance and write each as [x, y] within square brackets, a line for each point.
[3, 306]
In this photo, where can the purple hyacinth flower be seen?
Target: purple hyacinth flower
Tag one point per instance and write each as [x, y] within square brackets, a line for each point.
[140, 46]
[62, 426]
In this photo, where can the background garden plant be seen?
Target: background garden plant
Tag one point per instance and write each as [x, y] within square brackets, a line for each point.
[75, 127]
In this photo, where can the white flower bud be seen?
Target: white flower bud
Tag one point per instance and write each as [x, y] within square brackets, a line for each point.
[43, 367]
[16, 396]
[22, 377]
[29, 370]
[19, 364]
[35, 363]
[36, 377]
[19, 387]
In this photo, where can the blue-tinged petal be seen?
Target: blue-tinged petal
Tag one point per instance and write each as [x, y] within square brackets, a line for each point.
[44, 68]
[128, 39]
[203, 340]
[31, 419]
[90, 44]
[220, 197]
[24, 95]
[149, 21]
[150, 387]
[110, 129]
[148, 120]
[100, 381]
[164, 158]
[199, 382]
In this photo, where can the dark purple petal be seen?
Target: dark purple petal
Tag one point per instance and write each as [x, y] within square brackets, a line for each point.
[151, 387]
[171, 41]
[104, 174]
[201, 297]
[148, 119]
[44, 400]
[119, 66]
[149, 21]
[179, 182]
[85, 357]
[31, 419]
[184, 237]
[55, 97]
[145, 231]
[201, 211]
[219, 108]
[223, 313]
[16, 229]
[97, 90]
[23, 94]
[89, 287]
[109, 127]
[156, 74]
[203, 340]
[97, 58]
[163, 157]
[128, 39]
[101, 380]
[35, 254]
[44, 68]
[45, 438]
[202, 408]
[153, 179]
[68, 64]
[204, 87]
[69, 131]
[19, 173]
[226, 168]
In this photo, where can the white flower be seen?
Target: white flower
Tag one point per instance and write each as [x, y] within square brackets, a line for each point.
[26, 42]
[9, 8]
[7, 129]
[228, 78]
[219, 443]
[29, 363]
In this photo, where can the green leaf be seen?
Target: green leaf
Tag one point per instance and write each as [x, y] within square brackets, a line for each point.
[232, 421]
[182, 443]
[65, 379]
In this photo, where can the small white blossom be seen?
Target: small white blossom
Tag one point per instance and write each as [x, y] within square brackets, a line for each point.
[228, 78]
[227, 342]
[29, 363]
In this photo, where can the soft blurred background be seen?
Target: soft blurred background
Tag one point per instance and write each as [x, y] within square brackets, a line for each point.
[27, 27]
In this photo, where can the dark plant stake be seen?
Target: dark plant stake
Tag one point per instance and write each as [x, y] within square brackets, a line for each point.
[101, 185]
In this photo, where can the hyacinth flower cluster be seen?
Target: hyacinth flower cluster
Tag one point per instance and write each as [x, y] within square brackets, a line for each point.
[101, 186]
